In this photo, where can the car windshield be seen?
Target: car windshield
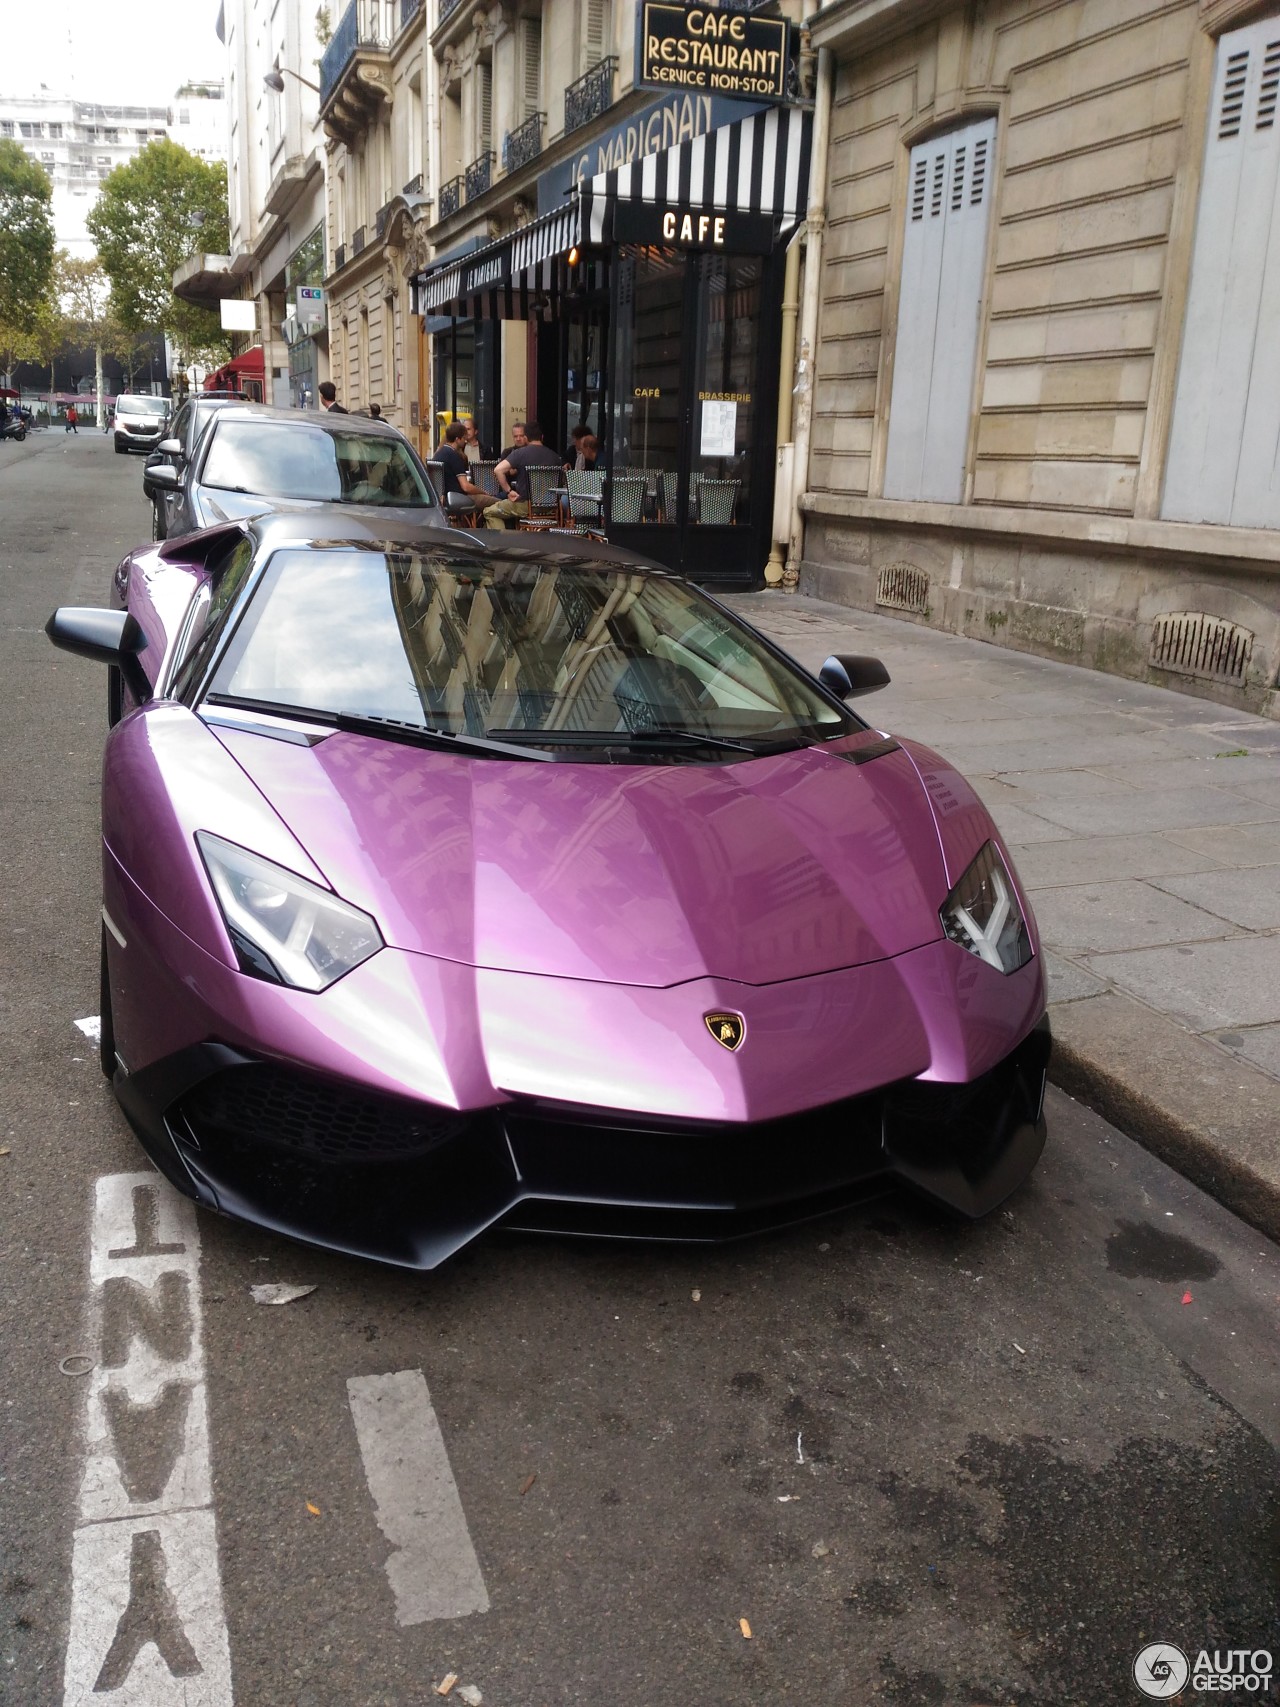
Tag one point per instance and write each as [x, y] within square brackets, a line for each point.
[287, 459]
[140, 406]
[564, 655]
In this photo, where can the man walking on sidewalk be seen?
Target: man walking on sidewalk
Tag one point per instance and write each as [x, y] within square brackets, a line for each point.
[72, 418]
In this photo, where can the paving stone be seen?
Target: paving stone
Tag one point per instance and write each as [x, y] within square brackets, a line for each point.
[1179, 809]
[1101, 917]
[1061, 784]
[1209, 986]
[1233, 774]
[1016, 825]
[1246, 896]
[1234, 844]
[1104, 859]
[1261, 1045]
[1067, 981]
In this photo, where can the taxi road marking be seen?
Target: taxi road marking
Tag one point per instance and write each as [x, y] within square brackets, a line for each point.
[433, 1569]
[147, 1621]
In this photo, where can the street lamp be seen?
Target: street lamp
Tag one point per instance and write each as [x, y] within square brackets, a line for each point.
[274, 79]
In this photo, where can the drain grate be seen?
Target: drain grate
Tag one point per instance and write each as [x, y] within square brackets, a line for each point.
[903, 587]
[1191, 643]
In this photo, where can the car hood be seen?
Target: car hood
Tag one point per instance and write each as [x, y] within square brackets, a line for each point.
[761, 871]
[218, 505]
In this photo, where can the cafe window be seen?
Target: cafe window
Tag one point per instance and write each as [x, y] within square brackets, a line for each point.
[939, 307]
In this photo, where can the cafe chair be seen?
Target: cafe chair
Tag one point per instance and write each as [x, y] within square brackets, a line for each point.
[670, 487]
[717, 500]
[544, 502]
[584, 497]
[484, 477]
[462, 511]
[627, 493]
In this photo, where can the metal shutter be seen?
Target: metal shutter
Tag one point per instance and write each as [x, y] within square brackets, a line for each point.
[1224, 444]
[943, 261]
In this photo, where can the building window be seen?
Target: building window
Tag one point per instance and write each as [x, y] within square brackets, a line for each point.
[55, 132]
[6, 127]
[939, 306]
[596, 32]
[1225, 438]
[531, 66]
[26, 129]
[484, 108]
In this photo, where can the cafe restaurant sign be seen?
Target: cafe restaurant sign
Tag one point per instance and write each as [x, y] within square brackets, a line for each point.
[713, 51]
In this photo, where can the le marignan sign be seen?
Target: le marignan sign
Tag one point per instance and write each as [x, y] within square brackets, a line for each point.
[713, 51]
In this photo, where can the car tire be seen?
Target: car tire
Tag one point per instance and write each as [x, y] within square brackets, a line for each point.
[106, 1031]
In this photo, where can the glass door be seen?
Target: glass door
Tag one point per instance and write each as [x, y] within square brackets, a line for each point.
[646, 390]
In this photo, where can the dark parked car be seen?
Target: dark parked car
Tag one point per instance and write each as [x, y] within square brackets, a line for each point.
[139, 422]
[249, 458]
[451, 882]
[178, 446]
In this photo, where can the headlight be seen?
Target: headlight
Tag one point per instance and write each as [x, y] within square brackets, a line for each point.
[982, 914]
[282, 927]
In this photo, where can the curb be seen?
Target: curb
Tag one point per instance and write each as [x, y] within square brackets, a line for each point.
[1209, 1116]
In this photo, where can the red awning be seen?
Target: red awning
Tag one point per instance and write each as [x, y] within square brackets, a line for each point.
[250, 365]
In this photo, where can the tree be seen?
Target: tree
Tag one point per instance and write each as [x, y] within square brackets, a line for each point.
[26, 235]
[151, 213]
[85, 293]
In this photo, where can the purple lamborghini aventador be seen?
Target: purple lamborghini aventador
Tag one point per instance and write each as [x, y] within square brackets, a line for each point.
[452, 881]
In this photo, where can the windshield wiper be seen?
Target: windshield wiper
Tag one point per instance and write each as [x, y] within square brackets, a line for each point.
[629, 738]
[388, 728]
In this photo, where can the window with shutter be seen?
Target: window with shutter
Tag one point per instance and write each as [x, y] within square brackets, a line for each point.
[595, 32]
[532, 80]
[1224, 443]
[943, 261]
[485, 107]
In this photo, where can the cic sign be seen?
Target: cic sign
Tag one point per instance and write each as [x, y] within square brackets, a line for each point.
[713, 51]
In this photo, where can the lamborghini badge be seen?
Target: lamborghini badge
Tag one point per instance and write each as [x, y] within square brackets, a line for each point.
[727, 1029]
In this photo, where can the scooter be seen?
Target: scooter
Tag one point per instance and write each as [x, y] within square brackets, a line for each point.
[14, 428]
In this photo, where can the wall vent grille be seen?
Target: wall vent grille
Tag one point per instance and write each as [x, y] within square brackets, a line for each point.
[901, 586]
[1189, 643]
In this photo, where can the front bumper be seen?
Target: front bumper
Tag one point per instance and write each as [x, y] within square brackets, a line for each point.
[406, 1183]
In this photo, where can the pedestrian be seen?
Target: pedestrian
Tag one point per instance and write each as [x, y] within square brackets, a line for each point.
[455, 470]
[329, 397]
[375, 411]
[72, 418]
[512, 475]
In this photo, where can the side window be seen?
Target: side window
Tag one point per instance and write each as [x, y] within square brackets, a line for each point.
[213, 603]
[943, 261]
[178, 426]
[1225, 437]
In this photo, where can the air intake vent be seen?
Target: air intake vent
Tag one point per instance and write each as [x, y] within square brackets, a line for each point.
[1189, 643]
[903, 587]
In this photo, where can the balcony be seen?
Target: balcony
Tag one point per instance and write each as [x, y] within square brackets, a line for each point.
[446, 7]
[380, 220]
[524, 144]
[413, 187]
[409, 10]
[355, 74]
[357, 240]
[479, 176]
[339, 257]
[451, 196]
[590, 96]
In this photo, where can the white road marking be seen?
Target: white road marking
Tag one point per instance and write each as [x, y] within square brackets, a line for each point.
[147, 1623]
[433, 1569]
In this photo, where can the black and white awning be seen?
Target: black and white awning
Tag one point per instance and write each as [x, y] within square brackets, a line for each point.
[757, 166]
[746, 182]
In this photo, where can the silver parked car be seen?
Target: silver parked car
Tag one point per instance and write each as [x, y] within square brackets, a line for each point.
[139, 422]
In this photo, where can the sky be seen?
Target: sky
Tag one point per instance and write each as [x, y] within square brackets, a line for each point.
[118, 52]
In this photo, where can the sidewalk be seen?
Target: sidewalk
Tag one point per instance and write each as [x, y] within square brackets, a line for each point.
[1146, 826]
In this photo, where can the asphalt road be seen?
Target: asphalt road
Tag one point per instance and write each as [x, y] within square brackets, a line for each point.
[926, 1463]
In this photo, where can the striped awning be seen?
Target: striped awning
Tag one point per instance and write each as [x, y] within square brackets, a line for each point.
[757, 166]
[504, 280]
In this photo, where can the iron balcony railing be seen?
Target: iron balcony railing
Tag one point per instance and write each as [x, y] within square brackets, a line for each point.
[357, 240]
[360, 26]
[523, 144]
[339, 257]
[447, 6]
[451, 196]
[590, 96]
[409, 9]
[380, 219]
[413, 187]
[479, 176]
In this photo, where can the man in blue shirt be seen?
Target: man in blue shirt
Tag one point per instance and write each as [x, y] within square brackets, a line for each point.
[512, 475]
[455, 470]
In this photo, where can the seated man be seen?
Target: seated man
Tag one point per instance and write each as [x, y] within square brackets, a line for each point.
[512, 475]
[455, 470]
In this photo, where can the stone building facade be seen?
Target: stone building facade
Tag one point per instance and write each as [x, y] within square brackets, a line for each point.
[1046, 403]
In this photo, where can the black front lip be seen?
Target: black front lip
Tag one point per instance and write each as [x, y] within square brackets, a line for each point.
[558, 1169]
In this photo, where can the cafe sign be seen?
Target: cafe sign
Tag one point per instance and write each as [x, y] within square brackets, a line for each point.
[667, 227]
[713, 51]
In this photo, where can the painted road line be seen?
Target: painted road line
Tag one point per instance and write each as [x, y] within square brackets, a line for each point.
[433, 1569]
[147, 1624]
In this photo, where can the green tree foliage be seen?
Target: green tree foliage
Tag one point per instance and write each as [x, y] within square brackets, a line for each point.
[152, 213]
[26, 236]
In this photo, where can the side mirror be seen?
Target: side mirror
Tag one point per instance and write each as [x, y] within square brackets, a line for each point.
[169, 447]
[164, 474]
[848, 676]
[106, 636]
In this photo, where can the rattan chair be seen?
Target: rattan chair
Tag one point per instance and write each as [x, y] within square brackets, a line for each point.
[483, 475]
[669, 488]
[626, 493]
[545, 483]
[717, 500]
[585, 497]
